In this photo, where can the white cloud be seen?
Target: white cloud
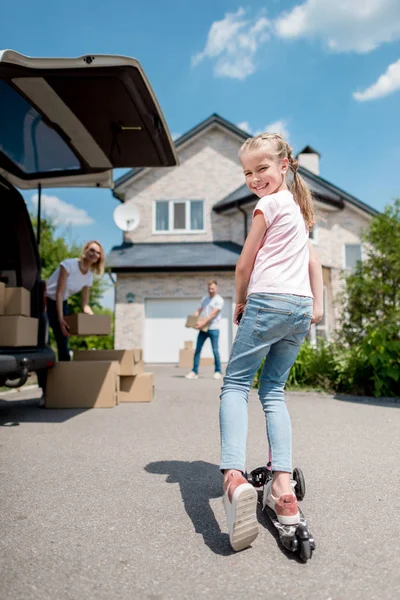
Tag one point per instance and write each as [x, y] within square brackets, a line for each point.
[233, 43]
[344, 25]
[279, 127]
[245, 125]
[61, 212]
[386, 84]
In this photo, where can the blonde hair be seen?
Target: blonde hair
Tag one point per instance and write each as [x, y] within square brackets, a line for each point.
[97, 267]
[278, 149]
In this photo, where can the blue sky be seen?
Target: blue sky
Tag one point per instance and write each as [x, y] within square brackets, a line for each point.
[327, 73]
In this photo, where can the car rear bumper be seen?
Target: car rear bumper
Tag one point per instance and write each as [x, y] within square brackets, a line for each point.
[13, 362]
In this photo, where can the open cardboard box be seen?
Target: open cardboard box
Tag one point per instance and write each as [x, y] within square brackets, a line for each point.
[137, 389]
[130, 362]
[83, 324]
[89, 384]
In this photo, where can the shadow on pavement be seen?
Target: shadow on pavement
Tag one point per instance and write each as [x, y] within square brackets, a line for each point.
[199, 482]
[14, 412]
[387, 402]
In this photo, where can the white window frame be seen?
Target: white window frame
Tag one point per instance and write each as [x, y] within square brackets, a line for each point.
[345, 267]
[187, 229]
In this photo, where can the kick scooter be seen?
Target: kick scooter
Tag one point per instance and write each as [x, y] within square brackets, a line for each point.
[296, 538]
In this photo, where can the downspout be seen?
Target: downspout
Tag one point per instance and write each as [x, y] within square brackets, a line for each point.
[244, 213]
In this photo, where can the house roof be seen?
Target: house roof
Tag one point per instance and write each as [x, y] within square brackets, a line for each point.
[214, 119]
[182, 256]
[323, 190]
[308, 150]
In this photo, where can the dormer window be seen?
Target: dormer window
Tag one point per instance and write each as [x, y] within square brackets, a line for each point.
[179, 216]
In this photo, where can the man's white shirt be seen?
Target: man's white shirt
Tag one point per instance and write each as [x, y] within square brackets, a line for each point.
[209, 304]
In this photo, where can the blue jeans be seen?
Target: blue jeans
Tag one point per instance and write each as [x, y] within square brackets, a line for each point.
[213, 334]
[61, 340]
[273, 327]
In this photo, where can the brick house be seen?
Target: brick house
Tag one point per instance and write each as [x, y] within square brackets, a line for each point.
[193, 222]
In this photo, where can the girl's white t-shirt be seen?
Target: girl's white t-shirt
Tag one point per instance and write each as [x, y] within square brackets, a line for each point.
[76, 280]
[281, 265]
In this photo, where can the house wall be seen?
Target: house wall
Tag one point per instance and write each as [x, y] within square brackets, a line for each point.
[209, 170]
[335, 229]
[129, 318]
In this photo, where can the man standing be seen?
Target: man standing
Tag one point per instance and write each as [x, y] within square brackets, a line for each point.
[210, 319]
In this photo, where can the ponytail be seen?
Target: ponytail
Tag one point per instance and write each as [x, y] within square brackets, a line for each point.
[301, 193]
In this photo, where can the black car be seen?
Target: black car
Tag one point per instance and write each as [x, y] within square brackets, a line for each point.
[64, 123]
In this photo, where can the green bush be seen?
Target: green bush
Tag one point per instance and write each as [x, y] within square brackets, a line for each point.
[315, 368]
[372, 367]
[369, 368]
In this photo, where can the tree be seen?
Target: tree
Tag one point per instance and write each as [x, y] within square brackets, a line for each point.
[372, 293]
[54, 250]
[370, 324]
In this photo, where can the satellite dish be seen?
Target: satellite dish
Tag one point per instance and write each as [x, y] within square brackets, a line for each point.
[127, 217]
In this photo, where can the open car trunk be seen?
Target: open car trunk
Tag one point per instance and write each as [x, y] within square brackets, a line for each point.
[69, 122]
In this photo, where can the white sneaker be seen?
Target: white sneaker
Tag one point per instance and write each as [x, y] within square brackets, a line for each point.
[285, 507]
[240, 503]
[192, 375]
[217, 375]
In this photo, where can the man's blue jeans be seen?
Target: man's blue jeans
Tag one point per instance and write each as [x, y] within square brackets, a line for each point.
[213, 334]
[273, 327]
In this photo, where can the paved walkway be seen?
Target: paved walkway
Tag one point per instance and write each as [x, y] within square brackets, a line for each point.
[125, 503]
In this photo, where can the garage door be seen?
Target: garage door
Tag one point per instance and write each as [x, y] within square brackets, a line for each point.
[165, 331]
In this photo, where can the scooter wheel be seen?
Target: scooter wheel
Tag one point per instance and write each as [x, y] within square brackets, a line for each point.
[300, 489]
[305, 550]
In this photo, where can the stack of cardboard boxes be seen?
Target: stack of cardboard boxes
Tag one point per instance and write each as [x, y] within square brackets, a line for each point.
[99, 379]
[17, 327]
[186, 356]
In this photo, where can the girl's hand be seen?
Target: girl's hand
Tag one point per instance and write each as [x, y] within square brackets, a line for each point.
[64, 327]
[317, 315]
[239, 310]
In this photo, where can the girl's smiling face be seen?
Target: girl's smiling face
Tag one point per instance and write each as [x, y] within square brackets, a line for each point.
[264, 175]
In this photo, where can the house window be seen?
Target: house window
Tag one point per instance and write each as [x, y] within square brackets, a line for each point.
[179, 216]
[162, 216]
[352, 255]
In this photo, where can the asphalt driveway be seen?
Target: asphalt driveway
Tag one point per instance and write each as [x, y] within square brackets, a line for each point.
[125, 503]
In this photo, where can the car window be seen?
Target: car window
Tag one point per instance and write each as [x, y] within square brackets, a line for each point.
[33, 145]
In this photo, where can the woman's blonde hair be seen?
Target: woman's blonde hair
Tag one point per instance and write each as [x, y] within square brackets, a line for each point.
[97, 267]
[278, 149]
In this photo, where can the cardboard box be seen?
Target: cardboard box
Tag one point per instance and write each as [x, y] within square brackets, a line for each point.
[137, 389]
[18, 331]
[188, 345]
[88, 384]
[191, 321]
[17, 302]
[83, 324]
[2, 297]
[186, 357]
[129, 361]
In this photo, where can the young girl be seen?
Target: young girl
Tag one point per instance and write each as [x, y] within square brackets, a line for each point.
[279, 292]
[70, 277]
